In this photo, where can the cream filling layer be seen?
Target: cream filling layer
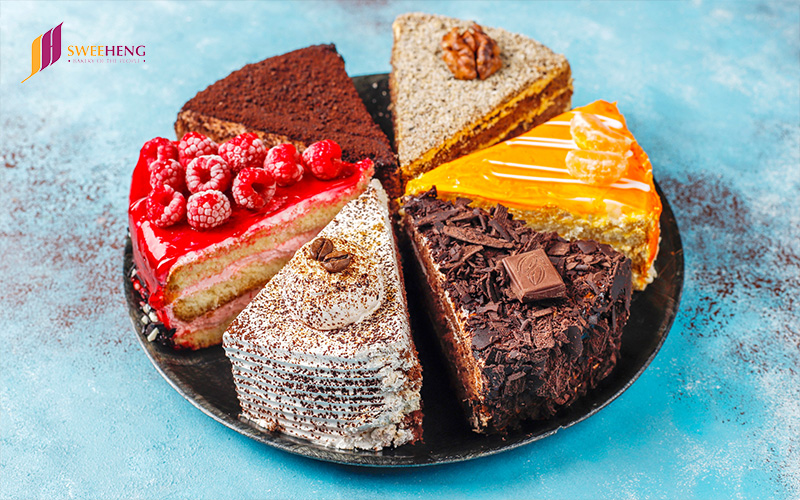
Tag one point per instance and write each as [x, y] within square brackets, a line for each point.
[211, 319]
[282, 251]
[276, 221]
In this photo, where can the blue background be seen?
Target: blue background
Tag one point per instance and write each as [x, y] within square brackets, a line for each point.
[712, 92]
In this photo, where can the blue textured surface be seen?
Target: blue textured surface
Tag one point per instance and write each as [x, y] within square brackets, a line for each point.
[712, 92]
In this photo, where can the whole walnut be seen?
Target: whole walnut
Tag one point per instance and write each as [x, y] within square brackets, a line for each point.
[471, 54]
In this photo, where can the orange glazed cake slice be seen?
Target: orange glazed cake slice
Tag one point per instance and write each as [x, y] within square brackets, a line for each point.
[516, 83]
[581, 175]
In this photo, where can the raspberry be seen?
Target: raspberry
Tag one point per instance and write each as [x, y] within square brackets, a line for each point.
[167, 172]
[207, 209]
[324, 158]
[243, 151]
[158, 148]
[253, 188]
[349, 168]
[598, 168]
[208, 172]
[591, 134]
[193, 145]
[285, 164]
[165, 206]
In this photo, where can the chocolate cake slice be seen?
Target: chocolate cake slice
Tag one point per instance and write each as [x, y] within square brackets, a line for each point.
[300, 97]
[528, 321]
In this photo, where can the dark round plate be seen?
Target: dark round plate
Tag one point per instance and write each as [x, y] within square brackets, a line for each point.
[204, 377]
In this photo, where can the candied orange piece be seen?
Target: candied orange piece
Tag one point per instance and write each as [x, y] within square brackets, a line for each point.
[590, 133]
[598, 168]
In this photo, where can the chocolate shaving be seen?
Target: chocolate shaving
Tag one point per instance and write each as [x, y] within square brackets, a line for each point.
[482, 220]
[436, 217]
[469, 216]
[469, 251]
[559, 248]
[501, 230]
[482, 339]
[500, 212]
[587, 246]
[472, 236]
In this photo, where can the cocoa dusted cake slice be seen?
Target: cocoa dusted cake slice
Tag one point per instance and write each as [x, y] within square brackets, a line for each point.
[298, 98]
[458, 87]
[528, 321]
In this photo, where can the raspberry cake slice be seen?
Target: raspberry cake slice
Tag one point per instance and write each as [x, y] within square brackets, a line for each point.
[325, 351]
[207, 239]
[438, 116]
[298, 98]
[528, 321]
[581, 174]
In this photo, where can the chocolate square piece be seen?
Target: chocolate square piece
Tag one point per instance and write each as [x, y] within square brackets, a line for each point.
[533, 277]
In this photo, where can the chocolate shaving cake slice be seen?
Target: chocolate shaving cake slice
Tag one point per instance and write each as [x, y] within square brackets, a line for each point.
[299, 97]
[324, 352]
[528, 321]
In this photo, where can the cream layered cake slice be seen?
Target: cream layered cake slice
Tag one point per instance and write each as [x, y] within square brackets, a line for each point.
[581, 174]
[324, 352]
[457, 87]
[528, 321]
[210, 225]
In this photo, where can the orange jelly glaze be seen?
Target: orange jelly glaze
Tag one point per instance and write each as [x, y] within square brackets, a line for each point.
[533, 174]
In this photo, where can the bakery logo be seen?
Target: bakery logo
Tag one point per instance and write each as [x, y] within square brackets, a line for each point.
[46, 50]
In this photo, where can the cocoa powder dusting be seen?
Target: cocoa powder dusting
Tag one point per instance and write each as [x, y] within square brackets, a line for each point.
[732, 261]
[62, 240]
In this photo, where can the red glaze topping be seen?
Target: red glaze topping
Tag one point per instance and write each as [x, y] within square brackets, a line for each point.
[156, 249]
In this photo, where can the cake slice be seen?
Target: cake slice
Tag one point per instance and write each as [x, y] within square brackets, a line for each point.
[530, 175]
[296, 98]
[325, 351]
[527, 321]
[195, 281]
[438, 117]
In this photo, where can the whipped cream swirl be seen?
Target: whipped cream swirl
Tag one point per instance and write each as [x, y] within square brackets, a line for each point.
[328, 301]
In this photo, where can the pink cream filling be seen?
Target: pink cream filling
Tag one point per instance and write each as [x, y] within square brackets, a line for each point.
[211, 319]
[284, 250]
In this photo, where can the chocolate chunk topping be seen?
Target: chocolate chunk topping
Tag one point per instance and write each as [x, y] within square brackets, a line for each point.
[336, 261]
[533, 277]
